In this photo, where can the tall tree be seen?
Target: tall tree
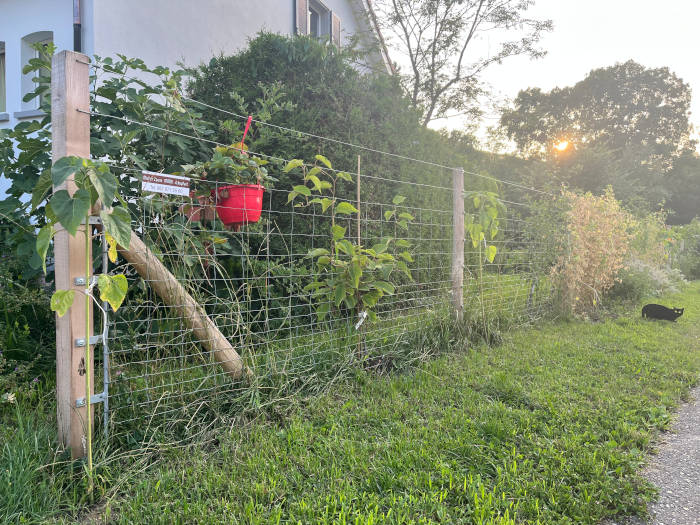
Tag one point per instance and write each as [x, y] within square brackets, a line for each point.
[626, 108]
[442, 40]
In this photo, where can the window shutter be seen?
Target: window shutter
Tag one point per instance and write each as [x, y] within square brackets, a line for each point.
[301, 16]
[335, 29]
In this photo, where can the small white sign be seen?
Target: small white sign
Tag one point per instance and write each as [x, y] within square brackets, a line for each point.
[165, 183]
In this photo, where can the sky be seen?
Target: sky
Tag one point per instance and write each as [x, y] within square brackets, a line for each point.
[589, 34]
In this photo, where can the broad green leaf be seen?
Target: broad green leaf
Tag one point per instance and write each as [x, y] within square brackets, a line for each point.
[41, 189]
[338, 232]
[293, 164]
[323, 260]
[302, 190]
[64, 168]
[402, 266]
[118, 224]
[315, 181]
[385, 287]
[61, 301]
[492, 212]
[491, 253]
[475, 234]
[494, 231]
[113, 289]
[104, 183]
[407, 216]
[389, 214]
[70, 211]
[350, 301]
[403, 243]
[398, 199]
[406, 257]
[345, 208]
[370, 299]
[292, 195]
[339, 294]
[316, 252]
[43, 240]
[325, 161]
[313, 171]
[322, 310]
[344, 246]
[355, 273]
[477, 201]
[345, 176]
[325, 204]
[313, 286]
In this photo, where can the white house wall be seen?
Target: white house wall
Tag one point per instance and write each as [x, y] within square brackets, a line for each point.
[19, 18]
[164, 32]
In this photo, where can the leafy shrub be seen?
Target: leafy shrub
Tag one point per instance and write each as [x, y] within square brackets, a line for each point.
[598, 242]
[686, 253]
[640, 279]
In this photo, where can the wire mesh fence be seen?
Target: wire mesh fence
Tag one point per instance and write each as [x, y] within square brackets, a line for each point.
[253, 285]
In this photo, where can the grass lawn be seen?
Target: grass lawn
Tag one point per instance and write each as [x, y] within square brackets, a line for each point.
[549, 427]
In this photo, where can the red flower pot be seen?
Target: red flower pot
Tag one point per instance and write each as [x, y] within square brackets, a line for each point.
[239, 203]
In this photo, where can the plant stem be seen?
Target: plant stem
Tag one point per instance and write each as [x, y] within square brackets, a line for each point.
[88, 368]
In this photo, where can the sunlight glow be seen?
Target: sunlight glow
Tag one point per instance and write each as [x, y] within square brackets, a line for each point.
[561, 146]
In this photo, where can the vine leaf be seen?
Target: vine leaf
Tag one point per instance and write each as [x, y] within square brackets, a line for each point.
[117, 223]
[42, 242]
[112, 251]
[64, 168]
[491, 252]
[61, 301]
[70, 211]
[113, 289]
[41, 189]
[104, 183]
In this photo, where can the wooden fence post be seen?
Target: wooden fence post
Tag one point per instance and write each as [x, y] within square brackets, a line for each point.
[458, 242]
[70, 135]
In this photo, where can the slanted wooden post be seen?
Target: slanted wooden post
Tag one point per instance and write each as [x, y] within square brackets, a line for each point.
[458, 242]
[70, 135]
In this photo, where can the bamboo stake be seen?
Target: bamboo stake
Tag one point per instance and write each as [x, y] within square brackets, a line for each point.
[458, 242]
[166, 285]
[359, 215]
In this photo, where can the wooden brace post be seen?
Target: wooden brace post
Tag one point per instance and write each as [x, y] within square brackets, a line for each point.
[166, 285]
[70, 135]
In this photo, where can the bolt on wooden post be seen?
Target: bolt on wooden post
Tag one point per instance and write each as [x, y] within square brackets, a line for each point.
[70, 135]
[458, 242]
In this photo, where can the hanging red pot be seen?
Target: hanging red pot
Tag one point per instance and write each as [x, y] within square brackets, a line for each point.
[239, 203]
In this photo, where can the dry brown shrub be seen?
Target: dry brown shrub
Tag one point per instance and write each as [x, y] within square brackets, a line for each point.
[599, 235]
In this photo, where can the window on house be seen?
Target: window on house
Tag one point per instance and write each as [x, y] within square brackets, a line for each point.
[35, 45]
[3, 82]
[319, 19]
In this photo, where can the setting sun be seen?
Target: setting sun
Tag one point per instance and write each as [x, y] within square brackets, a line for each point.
[561, 146]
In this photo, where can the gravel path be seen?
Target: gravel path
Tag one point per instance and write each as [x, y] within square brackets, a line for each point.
[675, 470]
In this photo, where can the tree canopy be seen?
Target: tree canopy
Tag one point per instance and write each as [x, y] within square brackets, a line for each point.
[622, 107]
[625, 125]
[442, 41]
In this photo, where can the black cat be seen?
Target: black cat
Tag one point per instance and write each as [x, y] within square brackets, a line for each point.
[656, 311]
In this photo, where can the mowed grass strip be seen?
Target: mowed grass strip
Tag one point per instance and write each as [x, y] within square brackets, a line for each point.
[549, 427]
